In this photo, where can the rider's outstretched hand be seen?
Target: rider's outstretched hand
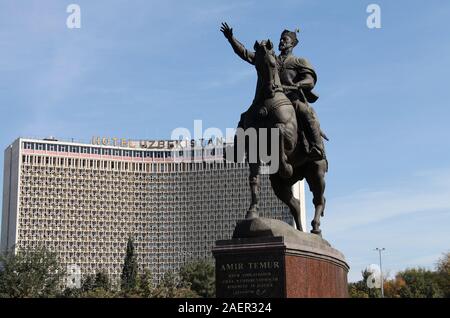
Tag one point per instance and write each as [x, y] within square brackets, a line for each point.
[226, 30]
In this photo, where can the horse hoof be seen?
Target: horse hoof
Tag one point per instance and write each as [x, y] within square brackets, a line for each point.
[251, 215]
[317, 232]
[252, 212]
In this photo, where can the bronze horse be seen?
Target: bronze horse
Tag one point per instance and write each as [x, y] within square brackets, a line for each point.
[272, 109]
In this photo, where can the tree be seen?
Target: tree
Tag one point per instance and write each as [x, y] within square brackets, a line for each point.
[443, 274]
[30, 273]
[392, 287]
[145, 284]
[419, 283]
[92, 286]
[99, 293]
[88, 283]
[171, 287]
[361, 289]
[199, 276]
[102, 281]
[130, 268]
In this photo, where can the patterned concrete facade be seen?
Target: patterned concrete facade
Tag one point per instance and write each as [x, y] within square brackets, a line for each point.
[83, 201]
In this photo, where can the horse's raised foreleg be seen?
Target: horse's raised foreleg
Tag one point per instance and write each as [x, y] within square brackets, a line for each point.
[315, 177]
[254, 183]
[283, 190]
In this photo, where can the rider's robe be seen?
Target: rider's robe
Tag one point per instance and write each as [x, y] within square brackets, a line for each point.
[292, 71]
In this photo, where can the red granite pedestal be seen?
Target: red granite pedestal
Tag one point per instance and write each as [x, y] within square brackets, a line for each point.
[276, 261]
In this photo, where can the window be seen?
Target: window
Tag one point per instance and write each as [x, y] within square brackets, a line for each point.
[28, 145]
[74, 149]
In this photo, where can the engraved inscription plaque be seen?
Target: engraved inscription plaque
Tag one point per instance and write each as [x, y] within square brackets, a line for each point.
[250, 275]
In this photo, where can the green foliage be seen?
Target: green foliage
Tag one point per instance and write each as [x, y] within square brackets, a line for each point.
[410, 283]
[443, 274]
[88, 283]
[71, 293]
[130, 268]
[92, 286]
[199, 276]
[419, 283]
[98, 293]
[101, 281]
[30, 273]
[355, 290]
[361, 290]
[145, 284]
[171, 287]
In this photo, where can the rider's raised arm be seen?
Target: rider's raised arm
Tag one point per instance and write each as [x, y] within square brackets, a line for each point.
[241, 51]
[237, 46]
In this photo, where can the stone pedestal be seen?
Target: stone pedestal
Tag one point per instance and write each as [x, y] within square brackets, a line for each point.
[269, 258]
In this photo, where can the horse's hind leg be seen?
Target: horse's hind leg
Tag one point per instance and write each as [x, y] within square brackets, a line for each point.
[283, 190]
[254, 182]
[316, 181]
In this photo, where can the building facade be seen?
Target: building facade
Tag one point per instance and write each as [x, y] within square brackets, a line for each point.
[83, 201]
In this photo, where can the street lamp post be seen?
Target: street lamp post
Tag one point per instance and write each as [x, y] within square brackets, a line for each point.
[381, 270]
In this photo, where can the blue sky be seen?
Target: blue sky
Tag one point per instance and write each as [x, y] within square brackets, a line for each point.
[139, 69]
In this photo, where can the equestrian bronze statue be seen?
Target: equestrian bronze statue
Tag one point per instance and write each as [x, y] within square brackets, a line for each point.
[284, 88]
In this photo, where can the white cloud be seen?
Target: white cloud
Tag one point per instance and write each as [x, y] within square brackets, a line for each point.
[410, 219]
[425, 191]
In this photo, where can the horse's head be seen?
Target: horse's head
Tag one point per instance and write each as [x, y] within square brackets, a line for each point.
[264, 54]
[266, 65]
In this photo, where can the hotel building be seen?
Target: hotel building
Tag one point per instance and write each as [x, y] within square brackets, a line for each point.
[84, 201]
